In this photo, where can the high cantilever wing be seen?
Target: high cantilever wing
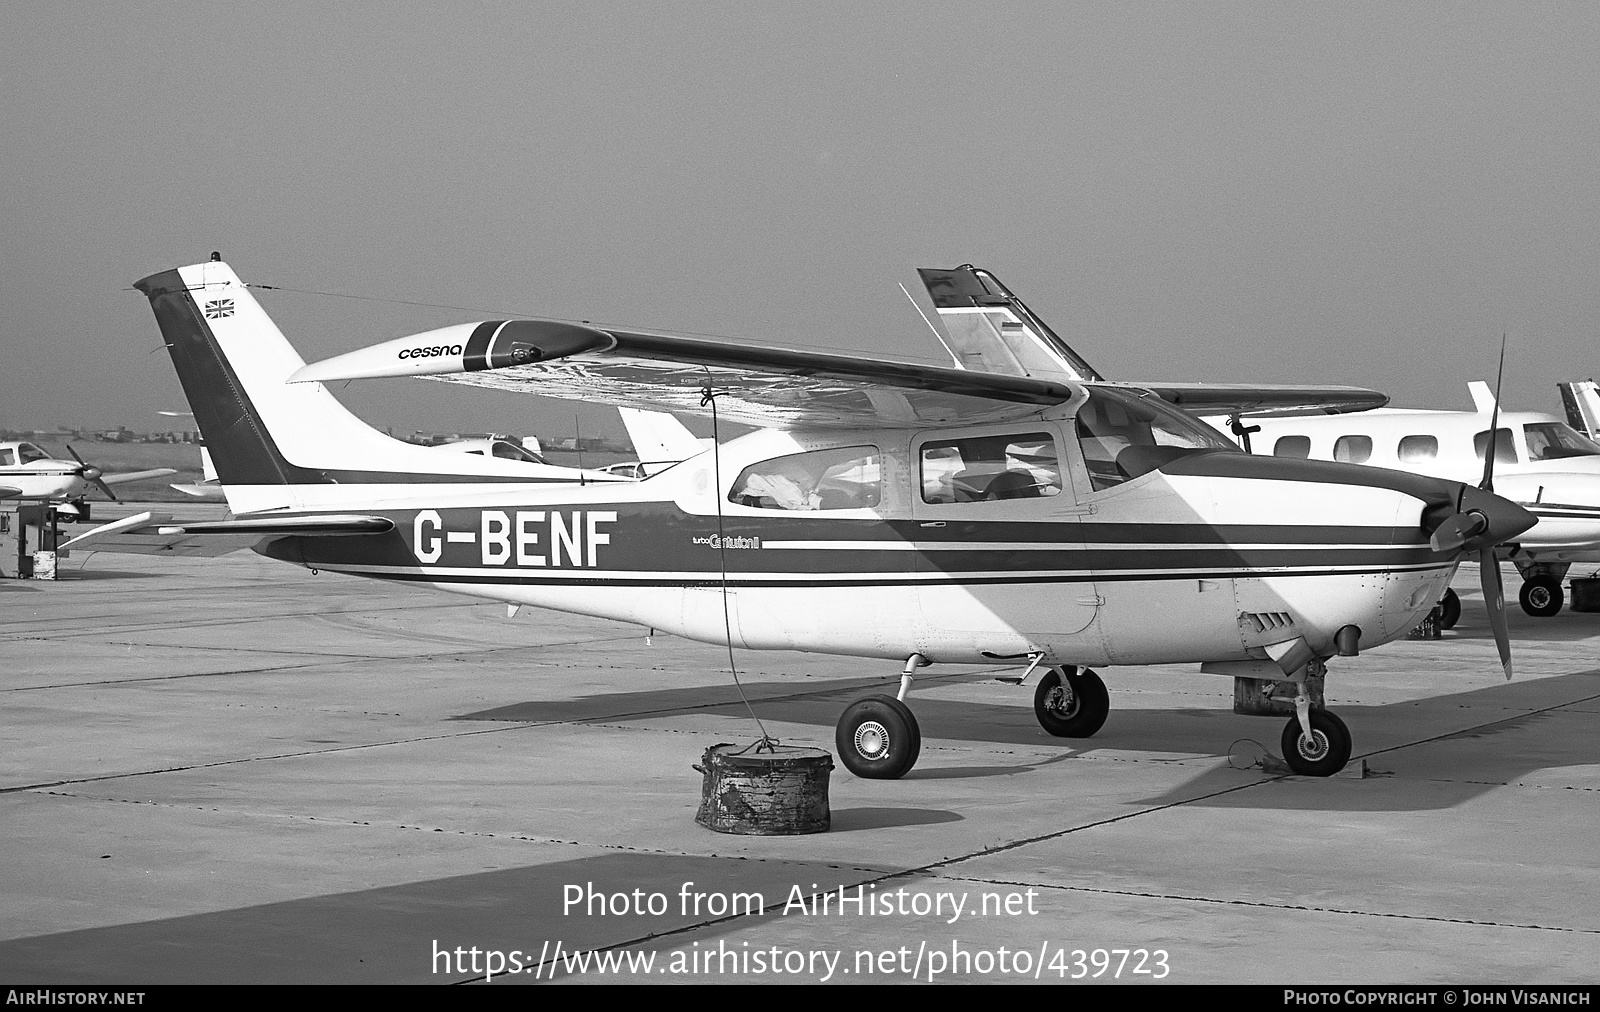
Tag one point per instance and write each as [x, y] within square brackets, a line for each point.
[988, 329]
[767, 387]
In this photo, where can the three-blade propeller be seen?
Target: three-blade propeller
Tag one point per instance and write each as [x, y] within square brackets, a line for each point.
[92, 475]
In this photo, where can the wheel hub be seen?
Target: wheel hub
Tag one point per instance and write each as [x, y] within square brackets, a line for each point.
[1539, 597]
[1061, 701]
[872, 740]
[1313, 746]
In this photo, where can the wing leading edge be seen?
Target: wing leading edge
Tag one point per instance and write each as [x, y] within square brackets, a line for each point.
[767, 387]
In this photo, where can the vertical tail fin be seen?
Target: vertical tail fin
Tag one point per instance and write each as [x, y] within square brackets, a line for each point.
[1581, 399]
[276, 445]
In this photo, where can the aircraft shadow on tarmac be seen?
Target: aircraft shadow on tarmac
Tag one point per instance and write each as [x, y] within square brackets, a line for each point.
[398, 934]
[1415, 740]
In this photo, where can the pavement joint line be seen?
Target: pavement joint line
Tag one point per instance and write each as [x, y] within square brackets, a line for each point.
[316, 660]
[1142, 894]
[281, 755]
[1522, 715]
[107, 628]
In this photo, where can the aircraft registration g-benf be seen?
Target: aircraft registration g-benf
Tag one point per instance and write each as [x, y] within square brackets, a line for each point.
[29, 474]
[1541, 463]
[892, 511]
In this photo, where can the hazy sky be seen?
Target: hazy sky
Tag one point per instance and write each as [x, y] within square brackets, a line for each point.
[1277, 192]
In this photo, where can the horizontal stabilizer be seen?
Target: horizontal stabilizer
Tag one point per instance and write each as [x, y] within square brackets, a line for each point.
[155, 472]
[158, 534]
[311, 526]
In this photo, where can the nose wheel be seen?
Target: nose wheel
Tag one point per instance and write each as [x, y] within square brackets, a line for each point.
[1071, 702]
[878, 738]
[1321, 753]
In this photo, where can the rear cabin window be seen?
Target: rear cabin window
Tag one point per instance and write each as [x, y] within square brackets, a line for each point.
[1298, 447]
[1505, 450]
[985, 468]
[1415, 449]
[1353, 449]
[8, 457]
[844, 478]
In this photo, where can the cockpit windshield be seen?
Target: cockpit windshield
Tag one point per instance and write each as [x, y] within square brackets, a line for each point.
[1124, 435]
[1553, 440]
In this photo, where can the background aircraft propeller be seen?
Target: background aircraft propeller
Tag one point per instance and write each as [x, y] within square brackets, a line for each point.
[92, 475]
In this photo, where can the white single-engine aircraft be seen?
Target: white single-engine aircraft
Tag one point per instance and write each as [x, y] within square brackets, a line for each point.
[885, 510]
[29, 474]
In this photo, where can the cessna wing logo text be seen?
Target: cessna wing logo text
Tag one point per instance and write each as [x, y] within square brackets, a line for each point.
[519, 537]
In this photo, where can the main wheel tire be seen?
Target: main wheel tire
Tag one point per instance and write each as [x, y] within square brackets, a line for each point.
[878, 738]
[1071, 707]
[1541, 596]
[1449, 609]
[1327, 751]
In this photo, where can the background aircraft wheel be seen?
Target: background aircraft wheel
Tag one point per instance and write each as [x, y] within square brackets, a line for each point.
[1541, 596]
[1449, 609]
[1327, 751]
[1071, 707]
[878, 738]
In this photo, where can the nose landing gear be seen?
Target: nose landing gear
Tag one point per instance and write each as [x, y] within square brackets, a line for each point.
[1323, 751]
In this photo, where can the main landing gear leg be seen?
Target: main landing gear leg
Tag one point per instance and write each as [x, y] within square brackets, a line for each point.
[878, 737]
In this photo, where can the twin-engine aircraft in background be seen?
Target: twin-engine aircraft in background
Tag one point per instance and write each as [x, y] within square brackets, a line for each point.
[882, 510]
[29, 474]
[1540, 462]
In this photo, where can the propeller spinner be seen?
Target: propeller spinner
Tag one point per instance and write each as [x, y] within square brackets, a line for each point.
[92, 475]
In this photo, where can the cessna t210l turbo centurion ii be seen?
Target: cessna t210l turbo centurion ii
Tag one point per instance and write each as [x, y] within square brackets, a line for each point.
[901, 512]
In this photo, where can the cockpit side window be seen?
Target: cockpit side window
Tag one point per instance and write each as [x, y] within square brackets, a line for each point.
[1124, 435]
[846, 477]
[30, 453]
[980, 468]
[1553, 441]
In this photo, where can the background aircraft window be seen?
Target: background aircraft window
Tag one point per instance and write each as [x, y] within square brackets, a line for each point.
[1125, 435]
[1352, 449]
[1414, 449]
[1505, 450]
[991, 467]
[847, 477]
[1292, 446]
[1553, 440]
